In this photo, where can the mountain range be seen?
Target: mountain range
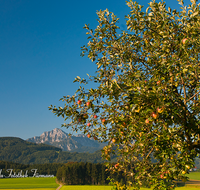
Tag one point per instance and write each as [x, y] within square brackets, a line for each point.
[54, 146]
[58, 138]
[42, 149]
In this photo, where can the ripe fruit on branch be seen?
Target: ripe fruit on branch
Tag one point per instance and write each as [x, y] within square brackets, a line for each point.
[183, 172]
[162, 176]
[147, 121]
[184, 40]
[159, 110]
[103, 121]
[95, 116]
[88, 135]
[124, 124]
[158, 82]
[79, 102]
[88, 104]
[127, 107]
[116, 165]
[113, 140]
[188, 167]
[154, 115]
[88, 124]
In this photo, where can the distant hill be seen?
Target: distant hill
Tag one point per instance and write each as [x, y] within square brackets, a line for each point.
[20, 151]
[13, 149]
[17, 150]
[60, 139]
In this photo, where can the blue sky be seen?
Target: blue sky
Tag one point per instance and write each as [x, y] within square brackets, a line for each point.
[40, 46]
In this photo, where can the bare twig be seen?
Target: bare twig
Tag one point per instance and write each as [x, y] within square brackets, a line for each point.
[193, 96]
[149, 153]
[184, 91]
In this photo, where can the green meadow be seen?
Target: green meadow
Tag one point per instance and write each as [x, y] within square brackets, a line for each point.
[50, 184]
[188, 186]
[194, 175]
[28, 183]
[93, 187]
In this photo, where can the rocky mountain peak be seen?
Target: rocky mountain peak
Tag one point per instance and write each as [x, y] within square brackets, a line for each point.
[60, 139]
[55, 135]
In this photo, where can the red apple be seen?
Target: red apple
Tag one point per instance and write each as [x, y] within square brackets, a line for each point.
[103, 121]
[95, 116]
[88, 104]
[113, 140]
[184, 40]
[154, 115]
[88, 124]
[124, 124]
[88, 135]
[158, 82]
[147, 121]
[79, 102]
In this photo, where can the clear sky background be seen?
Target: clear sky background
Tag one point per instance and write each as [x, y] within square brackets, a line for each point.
[40, 46]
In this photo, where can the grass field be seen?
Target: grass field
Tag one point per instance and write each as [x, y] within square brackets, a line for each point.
[50, 184]
[93, 187]
[34, 189]
[28, 183]
[194, 175]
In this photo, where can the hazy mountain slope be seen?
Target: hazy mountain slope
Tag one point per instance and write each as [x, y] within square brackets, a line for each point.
[60, 139]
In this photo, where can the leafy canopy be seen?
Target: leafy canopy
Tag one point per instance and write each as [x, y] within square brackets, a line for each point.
[146, 104]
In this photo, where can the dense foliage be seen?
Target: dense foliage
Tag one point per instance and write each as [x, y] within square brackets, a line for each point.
[74, 173]
[146, 101]
[19, 151]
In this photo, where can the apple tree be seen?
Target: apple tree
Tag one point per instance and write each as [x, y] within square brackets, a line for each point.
[146, 102]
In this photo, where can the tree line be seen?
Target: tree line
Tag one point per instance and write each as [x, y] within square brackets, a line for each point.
[80, 173]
